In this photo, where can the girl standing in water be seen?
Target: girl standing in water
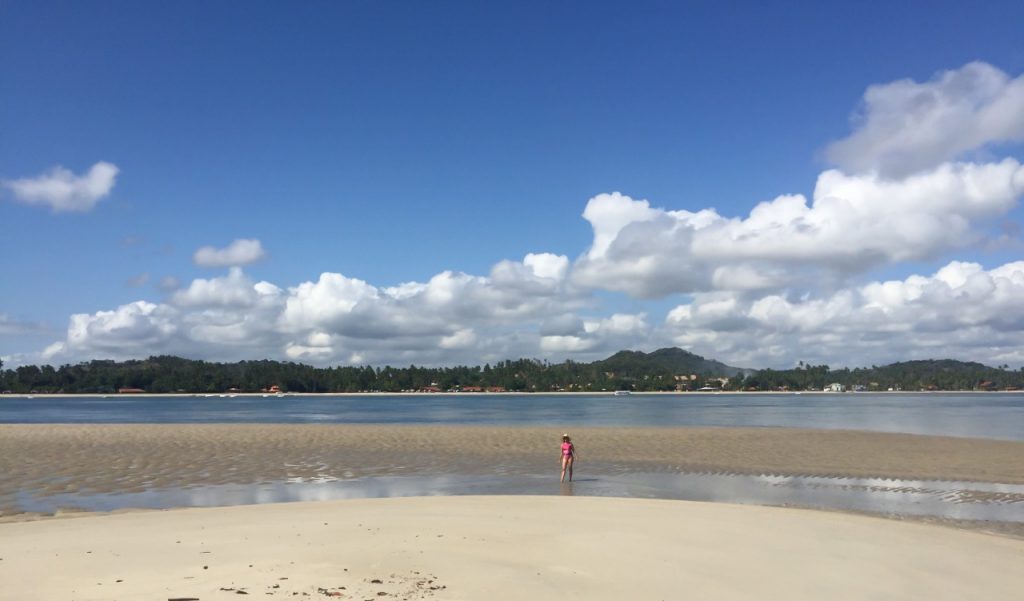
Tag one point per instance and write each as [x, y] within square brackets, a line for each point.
[568, 456]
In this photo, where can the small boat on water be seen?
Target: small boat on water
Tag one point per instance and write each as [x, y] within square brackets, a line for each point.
[622, 393]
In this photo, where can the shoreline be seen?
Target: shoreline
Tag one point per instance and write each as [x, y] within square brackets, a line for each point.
[502, 548]
[498, 394]
[997, 528]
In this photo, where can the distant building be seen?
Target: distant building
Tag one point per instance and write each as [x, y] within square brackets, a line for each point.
[835, 387]
[130, 390]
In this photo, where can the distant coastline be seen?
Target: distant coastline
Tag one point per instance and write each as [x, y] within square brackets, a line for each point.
[668, 370]
[494, 394]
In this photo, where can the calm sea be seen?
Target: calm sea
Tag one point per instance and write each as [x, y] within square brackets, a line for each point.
[984, 415]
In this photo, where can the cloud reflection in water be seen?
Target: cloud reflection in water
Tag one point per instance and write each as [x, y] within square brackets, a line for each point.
[958, 500]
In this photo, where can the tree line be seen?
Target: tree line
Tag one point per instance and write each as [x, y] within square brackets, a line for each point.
[662, 370]
[932, 374]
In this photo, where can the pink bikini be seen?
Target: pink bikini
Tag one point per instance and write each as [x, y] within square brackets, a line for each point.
[566, 449]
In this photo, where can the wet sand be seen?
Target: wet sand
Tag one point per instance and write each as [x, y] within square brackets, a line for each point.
[502, 548]
[99, 458]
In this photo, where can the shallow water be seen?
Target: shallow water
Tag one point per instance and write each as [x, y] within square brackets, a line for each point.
[982, 415]
[955, 500]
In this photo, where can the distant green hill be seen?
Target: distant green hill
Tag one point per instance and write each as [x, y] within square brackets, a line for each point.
[672, 361]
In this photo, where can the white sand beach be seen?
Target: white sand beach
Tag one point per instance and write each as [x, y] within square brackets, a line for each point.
[501, 548]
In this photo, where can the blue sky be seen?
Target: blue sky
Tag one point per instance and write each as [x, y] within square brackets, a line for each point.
[391, 142]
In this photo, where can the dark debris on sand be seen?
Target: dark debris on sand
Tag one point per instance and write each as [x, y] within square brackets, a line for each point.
[405, 587]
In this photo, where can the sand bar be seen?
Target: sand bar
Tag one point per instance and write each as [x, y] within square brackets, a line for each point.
[502, 548]
[91, 458]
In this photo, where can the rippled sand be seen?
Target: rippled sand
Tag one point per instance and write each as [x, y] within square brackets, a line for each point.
[49, 459]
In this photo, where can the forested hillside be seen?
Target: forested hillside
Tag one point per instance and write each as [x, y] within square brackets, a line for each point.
[662, 370]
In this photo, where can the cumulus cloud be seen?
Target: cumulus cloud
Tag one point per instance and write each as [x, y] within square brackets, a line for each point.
[608, 334]
[233, 290]
[851, 224]
[138, 324]
[906, 126]
[341, 319]
[240, 252]
[962, 310]
[62, 190]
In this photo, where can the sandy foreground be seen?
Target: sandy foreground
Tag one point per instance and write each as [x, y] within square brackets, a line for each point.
[502, 548]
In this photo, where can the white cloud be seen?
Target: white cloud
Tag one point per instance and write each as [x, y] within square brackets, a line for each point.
[308, 354]
[546, 265]
[464, 338]
[316, 347]
[908, 126]
[852, 223]
[54, 350]
[110, 333]
[960, 311]
[600, 335]
[240, 252]
[235, 290]
[325, 303]
[336, 318]
[566, 344]
[62, 190]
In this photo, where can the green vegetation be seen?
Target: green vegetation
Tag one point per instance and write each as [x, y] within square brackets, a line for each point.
[932, 374]
[664, 369]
